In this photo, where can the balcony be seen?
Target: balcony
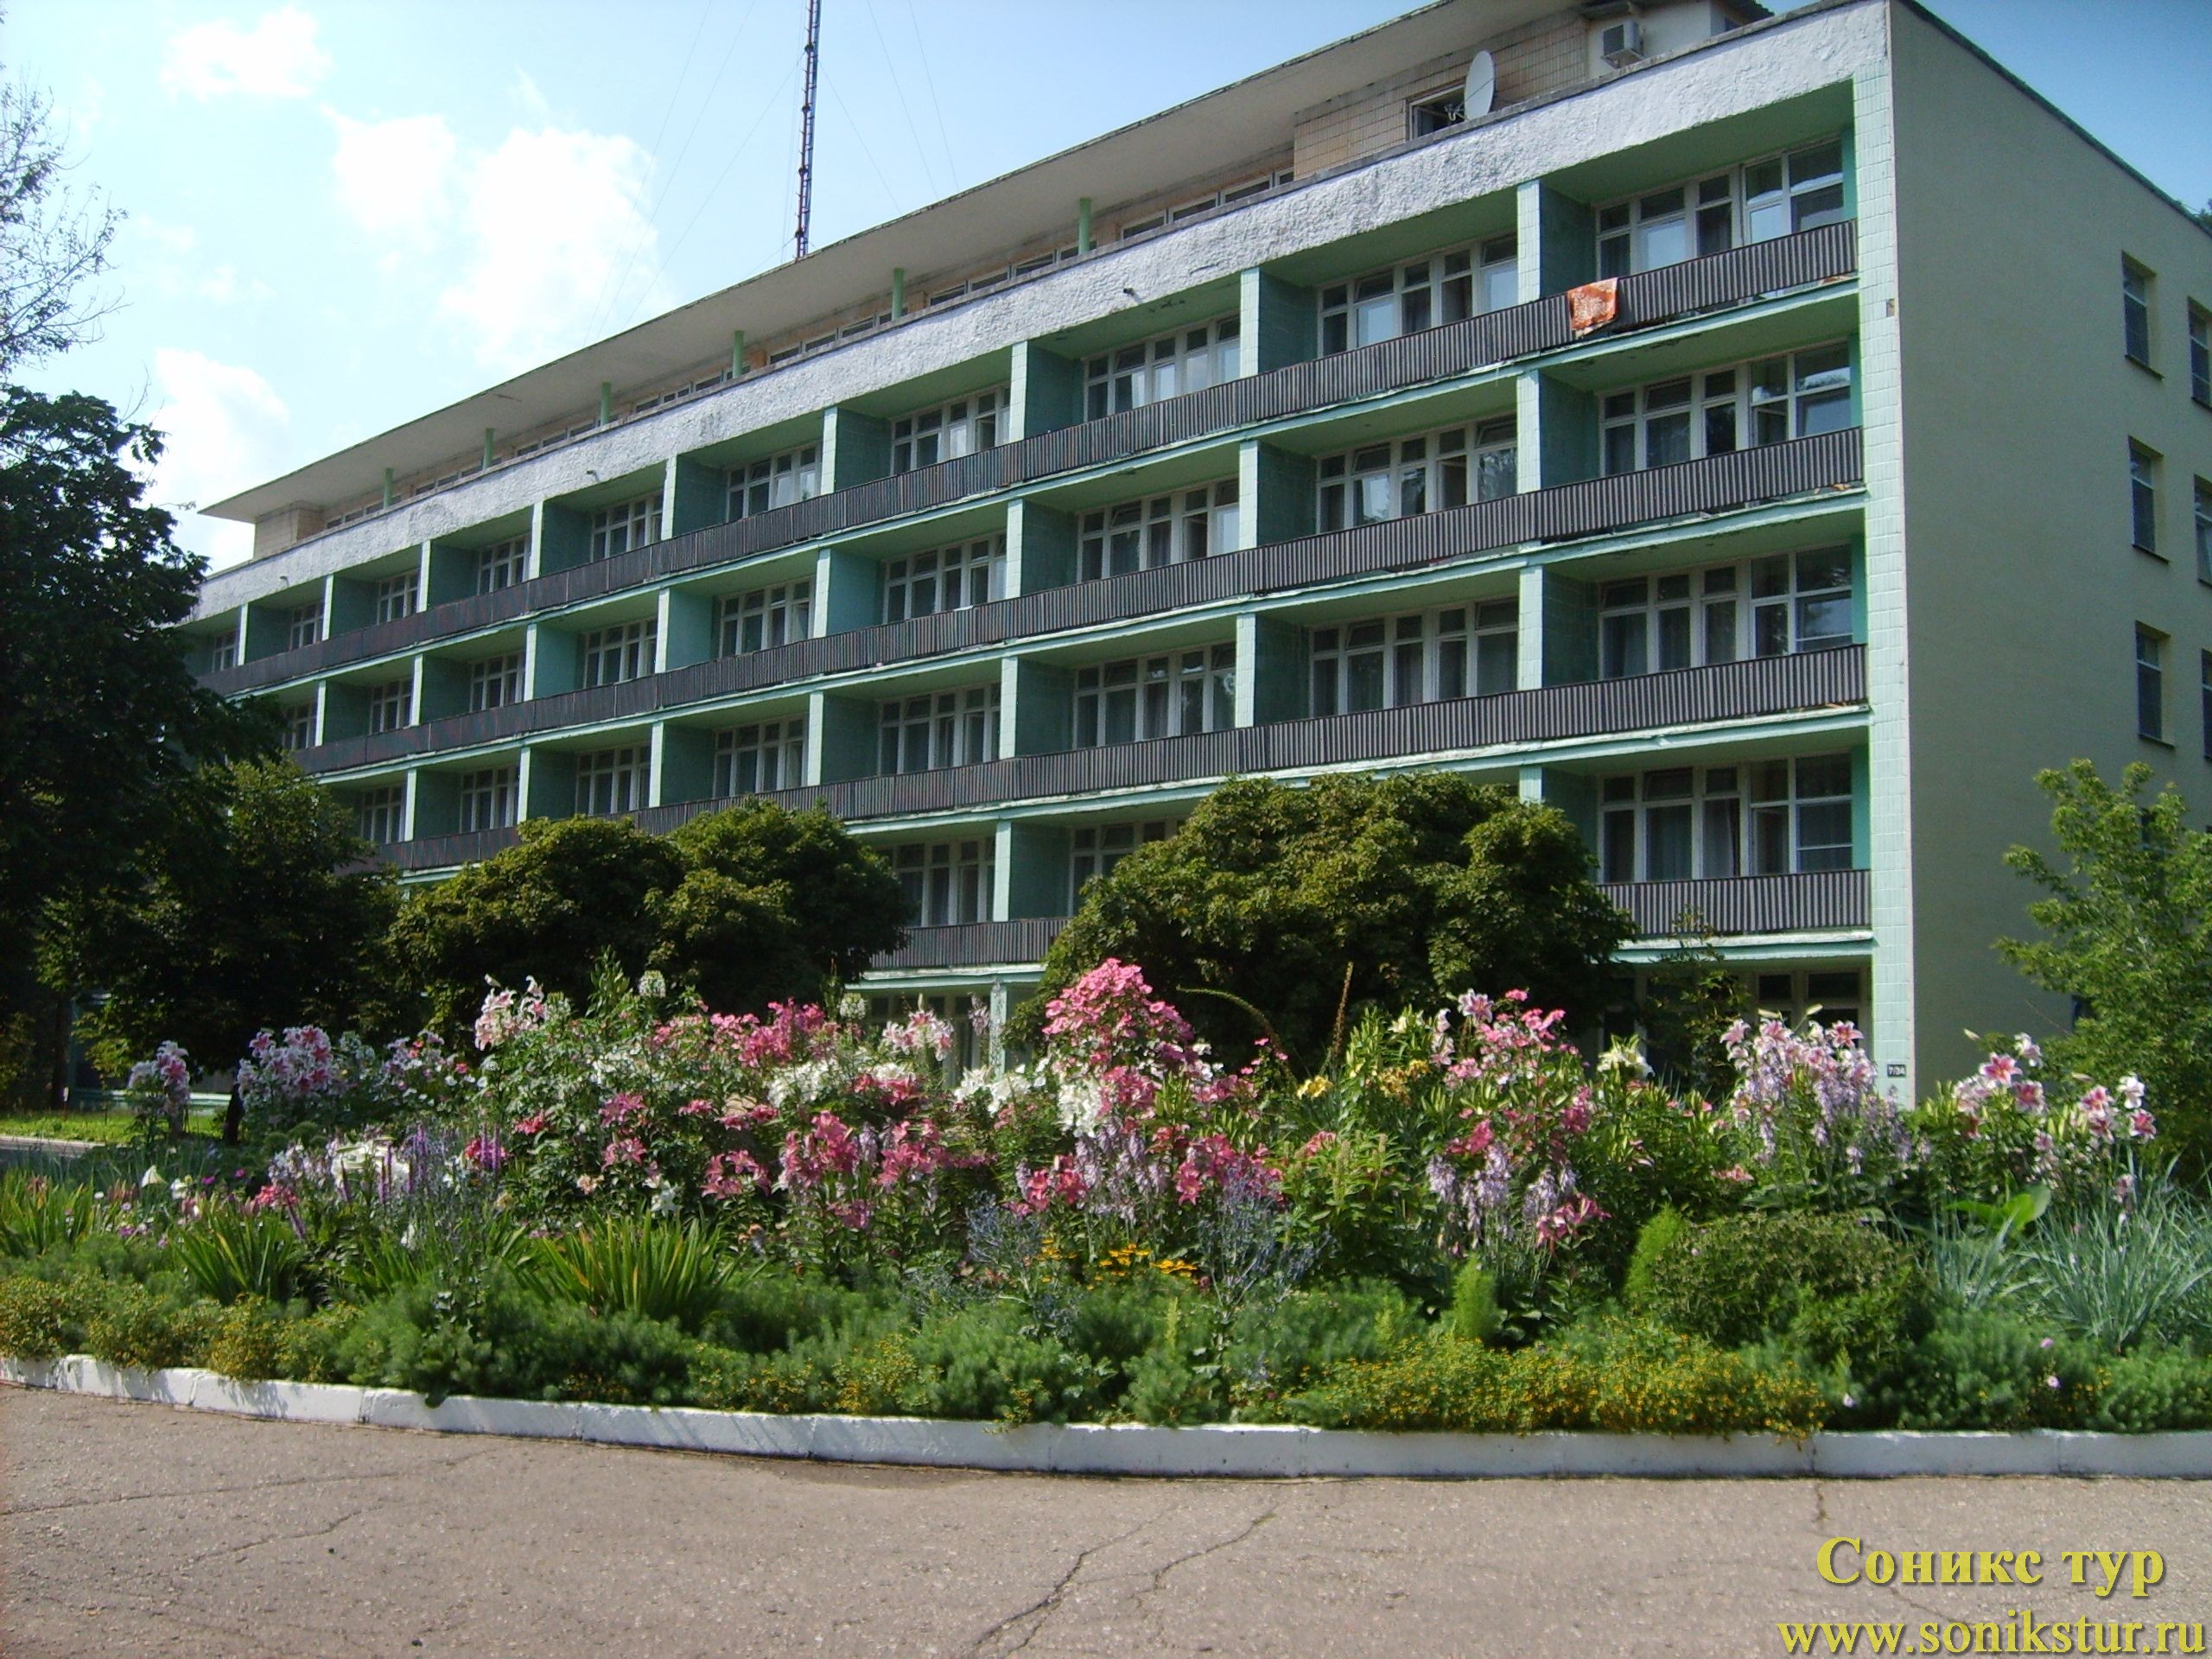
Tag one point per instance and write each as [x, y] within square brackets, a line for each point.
[972, 944]
[1819, 902]
[1718, 281]
[1717, 484]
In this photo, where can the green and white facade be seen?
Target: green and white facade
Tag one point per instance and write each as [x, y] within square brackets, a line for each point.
[1263, 438]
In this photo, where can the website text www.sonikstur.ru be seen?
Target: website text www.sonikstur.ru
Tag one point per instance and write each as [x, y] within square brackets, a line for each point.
[2016, 1629]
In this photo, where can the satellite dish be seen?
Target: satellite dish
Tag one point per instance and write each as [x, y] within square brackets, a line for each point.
[1482, 85]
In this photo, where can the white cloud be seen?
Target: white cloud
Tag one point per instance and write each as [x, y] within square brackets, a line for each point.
[555, 225]
[279, 57]
[525, 91]
[225, 428]
[395, 178]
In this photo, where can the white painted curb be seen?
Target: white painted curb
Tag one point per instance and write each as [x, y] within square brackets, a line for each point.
[1223, 1450]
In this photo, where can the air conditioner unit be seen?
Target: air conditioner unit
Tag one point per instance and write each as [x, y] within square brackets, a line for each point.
[1622, 43]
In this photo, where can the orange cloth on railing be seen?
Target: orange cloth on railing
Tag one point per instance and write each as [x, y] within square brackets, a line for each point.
[1593, 305]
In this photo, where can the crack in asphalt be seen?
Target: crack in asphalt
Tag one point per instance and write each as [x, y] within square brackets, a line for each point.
[250, 1486]
[1042, 1609]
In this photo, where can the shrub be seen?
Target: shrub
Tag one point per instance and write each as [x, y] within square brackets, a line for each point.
[1982, 1371]
[229, 1253]
[36, 1213]
[41, 1319]
[135, 1325]
[1474, 1315]
[2154, 1389]
[2118, 1275]
[247, 1341]
[655, 1269]
[983, 1364]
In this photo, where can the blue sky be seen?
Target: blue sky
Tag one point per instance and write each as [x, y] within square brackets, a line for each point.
[344, 214]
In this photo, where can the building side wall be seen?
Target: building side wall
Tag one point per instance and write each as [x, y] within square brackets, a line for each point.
[2022, 591]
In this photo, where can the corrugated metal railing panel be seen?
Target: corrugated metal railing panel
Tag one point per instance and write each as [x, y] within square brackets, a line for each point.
[974, 945]
[1650, 297]
[1819, 901]
[439, 852]
[1713, 484]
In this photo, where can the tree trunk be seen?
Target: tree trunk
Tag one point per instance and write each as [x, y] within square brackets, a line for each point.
[234, 1118]
[58, 1055]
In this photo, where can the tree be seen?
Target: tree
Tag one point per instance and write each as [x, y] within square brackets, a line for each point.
[750, 905]
[271, 915]
[102, 724]
[2127, 925]
[51, 242]
[1418, 886]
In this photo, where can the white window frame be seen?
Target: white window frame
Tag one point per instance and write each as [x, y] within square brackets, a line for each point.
[395, 596]
[2200, 354]
[773, 481]
[1427, 472]
[223, 654]
[623, 526]
[303, 626]
[2202, 505]
[765, 618]
[391, 705]
[1719, 410]
[502, 564]
[1153, 370]
[620, 651]
[1094, 850]
[946, 883]
[2143, 497]
[1449, 285]
[489, 798]
[946, 431]
[759, 757]
[2150, 684]
[1468, 649]
[1769, 606]
[954, 578]
[299, 727]
[1156, 530]
[380, 814]
[494, 681]
[1794, 994]
[1757, 200]
[934, 730]
[1170, 693]
[2135, 311]
[1758, 817]
[610, 782]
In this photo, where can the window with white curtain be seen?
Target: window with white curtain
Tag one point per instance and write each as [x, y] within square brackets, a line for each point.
[1774, 196]
[1160, 529]
[945, 579]
[1153, 370]
[1767, 607]
[775, 481]
[1761, 818]
[946, 883]
[379, 814]
[756, 757]
[494, 681]
[938, 729]
[767, 617]
[1427, 473]
[965, 426]
[1387, 662]
[391, 705]
[488, 799]
[623, 651]
[1425, 293]
[1174, 693]
[623, 526]
[1717, 412]
[609, 781]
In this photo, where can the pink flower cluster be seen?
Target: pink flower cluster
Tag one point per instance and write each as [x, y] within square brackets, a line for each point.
[505, 1014]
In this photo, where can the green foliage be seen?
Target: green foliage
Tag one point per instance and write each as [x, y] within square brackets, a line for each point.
[2118, 1276]
[656, 1269]
[272, 914]
[1691, 997]
[150, 1325]
[229, 1253]
[988, 1363]
[36, 1214]
[1424, 885]
[1277, 1347]
[1655, 1240]
[1475, 1315]
[247, 1341]
[2127, 915]
[1986, 1370]
[2154, 1390]
[1840, 1290]
[40, 1319]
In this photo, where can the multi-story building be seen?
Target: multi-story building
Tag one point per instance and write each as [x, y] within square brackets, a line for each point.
[1772, 438]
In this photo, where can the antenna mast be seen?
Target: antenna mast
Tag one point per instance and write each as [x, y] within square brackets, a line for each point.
[806, 128]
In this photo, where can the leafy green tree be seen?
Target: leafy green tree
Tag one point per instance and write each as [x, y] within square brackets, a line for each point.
[2127, 933]
[102, 724]
[270, 913]
[750, 905]
[1301, 906]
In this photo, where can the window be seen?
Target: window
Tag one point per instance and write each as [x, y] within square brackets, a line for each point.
[945, 579]
[947, 883]
[1719, 410]
[223, 654]
[1831, 996]
[969, 1016]
[1770, 817]
[1163, 530]
[2151, 685]
[1756, 202]
[2204, 697]
[625, 526]
[1435, 112]
[624, 652]
[1095, 852]
[2143, 497]
[753, 759]
[1428, 473]
[612, 780]
[775, 481]
[1766, 607]
[501, 564]
[303, 626]
[389, 704]
[299, 727]
[965, 426]
[949, 728]
[1153, 370]
[395, 597]
[494, 681]
[767, 617]
[1425, 293]
[2200, 355]
[2203, 530]
[2135, 311]
[488, 799]
[379, 814]
[1458, 651]
[1174, 695]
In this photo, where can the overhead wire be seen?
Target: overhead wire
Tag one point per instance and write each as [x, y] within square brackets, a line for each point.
[928, 80]
[913, 131]
[676, 93]
[897, 206]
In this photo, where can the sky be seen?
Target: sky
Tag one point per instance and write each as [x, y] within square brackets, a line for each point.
[343, 214]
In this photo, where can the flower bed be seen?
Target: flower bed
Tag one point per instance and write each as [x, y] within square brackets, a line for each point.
[1460, 1223]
